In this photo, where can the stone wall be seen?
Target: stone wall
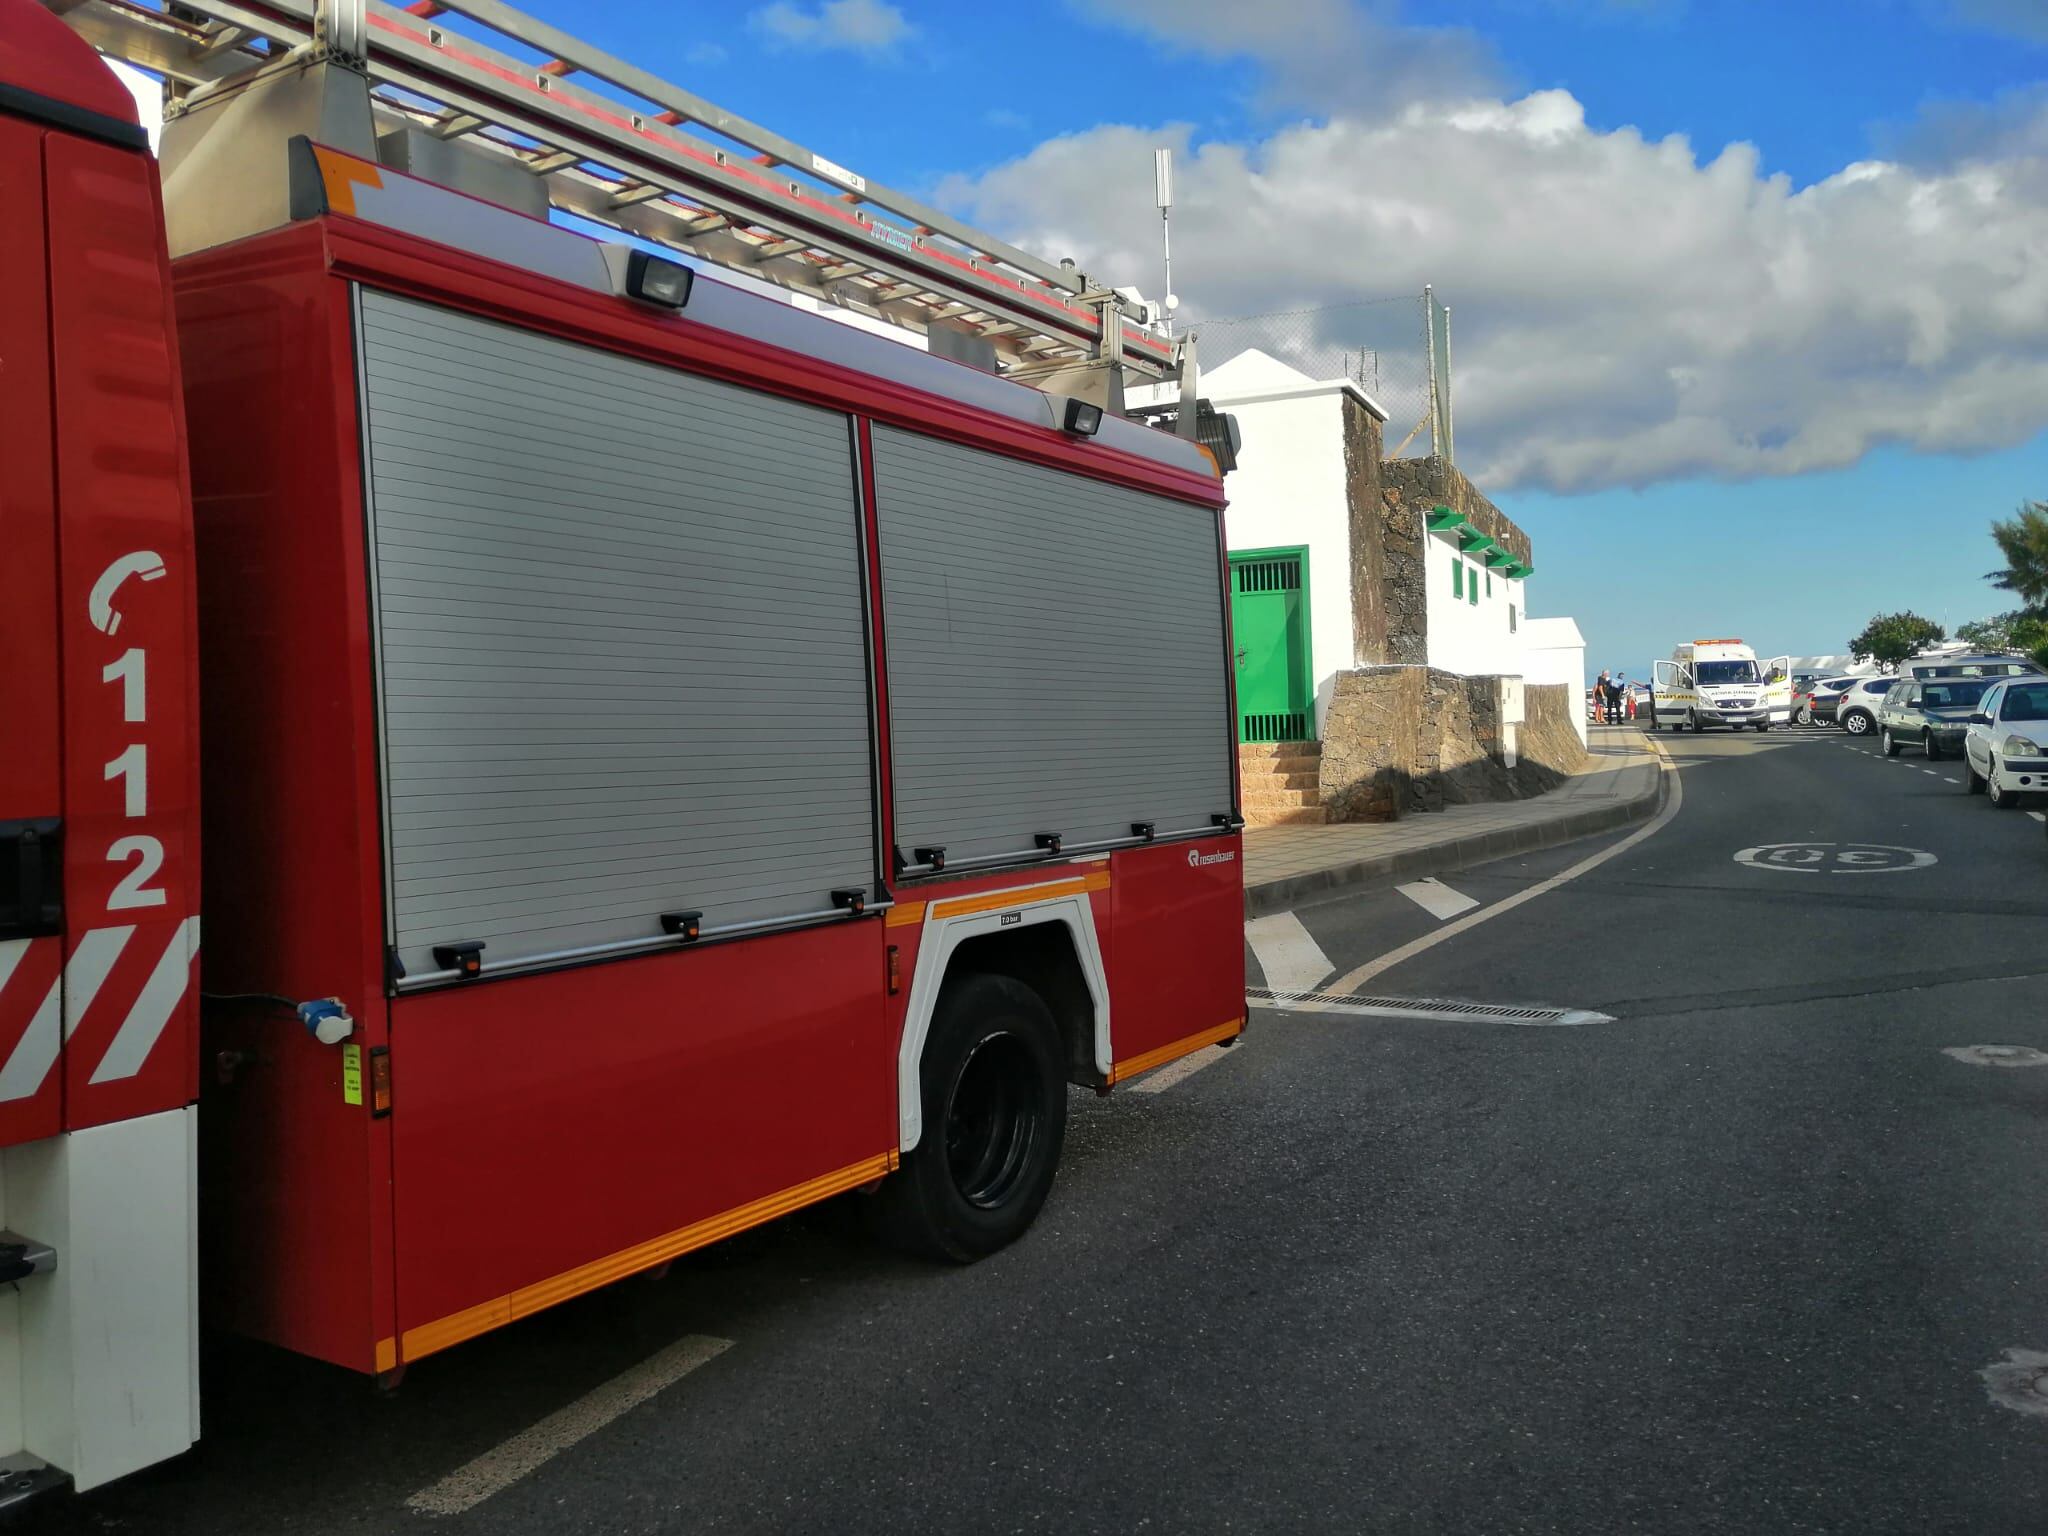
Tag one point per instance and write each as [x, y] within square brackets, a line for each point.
[1547, 742]
[1402, 534]
[1363, 505]
[1405, 739]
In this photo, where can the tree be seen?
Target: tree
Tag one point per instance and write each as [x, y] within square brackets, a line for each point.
[1890, 638]
[2023, 540]
[1992, 634]
[2019, 630]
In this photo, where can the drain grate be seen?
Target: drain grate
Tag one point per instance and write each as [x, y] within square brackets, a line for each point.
[1449, 1010]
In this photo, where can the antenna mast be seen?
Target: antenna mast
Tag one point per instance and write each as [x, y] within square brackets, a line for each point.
[1162, 177]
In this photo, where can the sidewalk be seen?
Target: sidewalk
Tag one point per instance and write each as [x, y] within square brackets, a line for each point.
[1286, 866]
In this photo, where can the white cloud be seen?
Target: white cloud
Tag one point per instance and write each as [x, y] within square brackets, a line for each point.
[1625, 311]
[2020, 18]
[1330, 55]
[860, 26]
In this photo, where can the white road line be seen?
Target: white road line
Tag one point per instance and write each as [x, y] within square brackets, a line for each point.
[1437, 899]
[1290, 958]
[502, 1466]
[1947, 780]
[1931, 772]
[1179, 1071]
[1351, 981]
[2039, 815]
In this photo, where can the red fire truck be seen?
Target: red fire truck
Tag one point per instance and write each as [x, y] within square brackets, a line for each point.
[667, 757]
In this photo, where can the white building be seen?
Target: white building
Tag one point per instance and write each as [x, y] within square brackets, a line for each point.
[1476, 612]
[1309, 530]
[1553, 651]
[1289, 499]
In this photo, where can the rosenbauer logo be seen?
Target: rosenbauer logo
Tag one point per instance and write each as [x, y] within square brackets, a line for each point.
[1197, 858]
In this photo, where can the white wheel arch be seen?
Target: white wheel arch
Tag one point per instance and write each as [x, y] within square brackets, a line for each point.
[1064, 901]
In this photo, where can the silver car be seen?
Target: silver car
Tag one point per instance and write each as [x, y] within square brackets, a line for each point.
[1931, 713]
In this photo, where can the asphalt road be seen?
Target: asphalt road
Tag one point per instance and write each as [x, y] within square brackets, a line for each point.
[1733, 1261]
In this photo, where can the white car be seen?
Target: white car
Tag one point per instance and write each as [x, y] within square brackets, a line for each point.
[1822, 695]
[1856, 708]
[2005, 752]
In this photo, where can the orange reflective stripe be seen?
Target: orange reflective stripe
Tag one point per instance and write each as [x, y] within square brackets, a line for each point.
[1023, 895]
[467, 1324]
[1175, 1051]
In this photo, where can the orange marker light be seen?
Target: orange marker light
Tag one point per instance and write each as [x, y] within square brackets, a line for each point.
[380, 1081]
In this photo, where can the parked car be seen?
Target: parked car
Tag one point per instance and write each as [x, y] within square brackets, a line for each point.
[1932, 714]
[1856, 706]
[2005, 749]
[1822, 700]
[1971, 664]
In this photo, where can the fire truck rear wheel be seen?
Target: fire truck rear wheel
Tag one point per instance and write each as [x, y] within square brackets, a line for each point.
[995, 1115]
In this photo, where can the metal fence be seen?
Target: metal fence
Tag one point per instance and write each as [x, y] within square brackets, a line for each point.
[1397, 350]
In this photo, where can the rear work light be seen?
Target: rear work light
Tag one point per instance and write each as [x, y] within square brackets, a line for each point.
[1080, 418]
[648, 278]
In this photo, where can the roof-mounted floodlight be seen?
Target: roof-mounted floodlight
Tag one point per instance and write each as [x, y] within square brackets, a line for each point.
[650, 279]
[1080, 418]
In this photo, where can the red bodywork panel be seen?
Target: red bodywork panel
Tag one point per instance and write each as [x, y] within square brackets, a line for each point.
[31, 764]
[554, 1130]
[130, 695]
[96, 606]
[550, 1121]
[295, 1205]
[40, 55]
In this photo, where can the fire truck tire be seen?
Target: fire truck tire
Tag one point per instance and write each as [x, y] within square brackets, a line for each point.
[995, 1115]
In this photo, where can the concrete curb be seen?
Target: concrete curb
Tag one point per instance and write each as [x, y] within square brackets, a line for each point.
[1291, 891]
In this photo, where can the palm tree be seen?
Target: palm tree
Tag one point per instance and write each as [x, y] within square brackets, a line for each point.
[2023, 540]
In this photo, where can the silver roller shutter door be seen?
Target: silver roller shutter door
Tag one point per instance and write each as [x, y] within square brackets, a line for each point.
[1055, 652]
[622, 655]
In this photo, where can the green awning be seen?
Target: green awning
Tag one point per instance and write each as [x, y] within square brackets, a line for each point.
[1443, 520]
[1472, 541]
[1516, 570]
[1501, 557]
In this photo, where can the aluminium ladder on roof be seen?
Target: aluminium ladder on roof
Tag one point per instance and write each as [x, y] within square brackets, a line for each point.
[757, 202]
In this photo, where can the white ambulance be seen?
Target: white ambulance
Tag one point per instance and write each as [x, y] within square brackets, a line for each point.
[1720, 682]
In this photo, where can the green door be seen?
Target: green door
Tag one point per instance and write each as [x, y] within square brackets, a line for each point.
[1269, 622]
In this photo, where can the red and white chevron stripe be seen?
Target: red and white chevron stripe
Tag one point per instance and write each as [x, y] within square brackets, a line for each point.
[42, 1002]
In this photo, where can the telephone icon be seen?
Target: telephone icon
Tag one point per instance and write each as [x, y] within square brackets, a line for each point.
[143, 565]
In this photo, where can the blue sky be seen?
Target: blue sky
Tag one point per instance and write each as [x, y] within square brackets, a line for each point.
[1858, 483]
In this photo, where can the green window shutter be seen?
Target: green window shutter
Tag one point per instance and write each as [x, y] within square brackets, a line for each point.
[1472, 589]
[1489, 583]
[1457, 578]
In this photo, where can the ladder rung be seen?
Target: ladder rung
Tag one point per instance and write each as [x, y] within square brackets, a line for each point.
[610, 146]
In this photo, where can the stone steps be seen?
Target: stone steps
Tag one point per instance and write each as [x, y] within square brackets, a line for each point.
[1306, 816]
[1294, 778]
[1281, 783]
[1279, 799]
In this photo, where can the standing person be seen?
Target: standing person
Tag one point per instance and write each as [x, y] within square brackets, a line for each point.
[1617, 691]
[1600, 696]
